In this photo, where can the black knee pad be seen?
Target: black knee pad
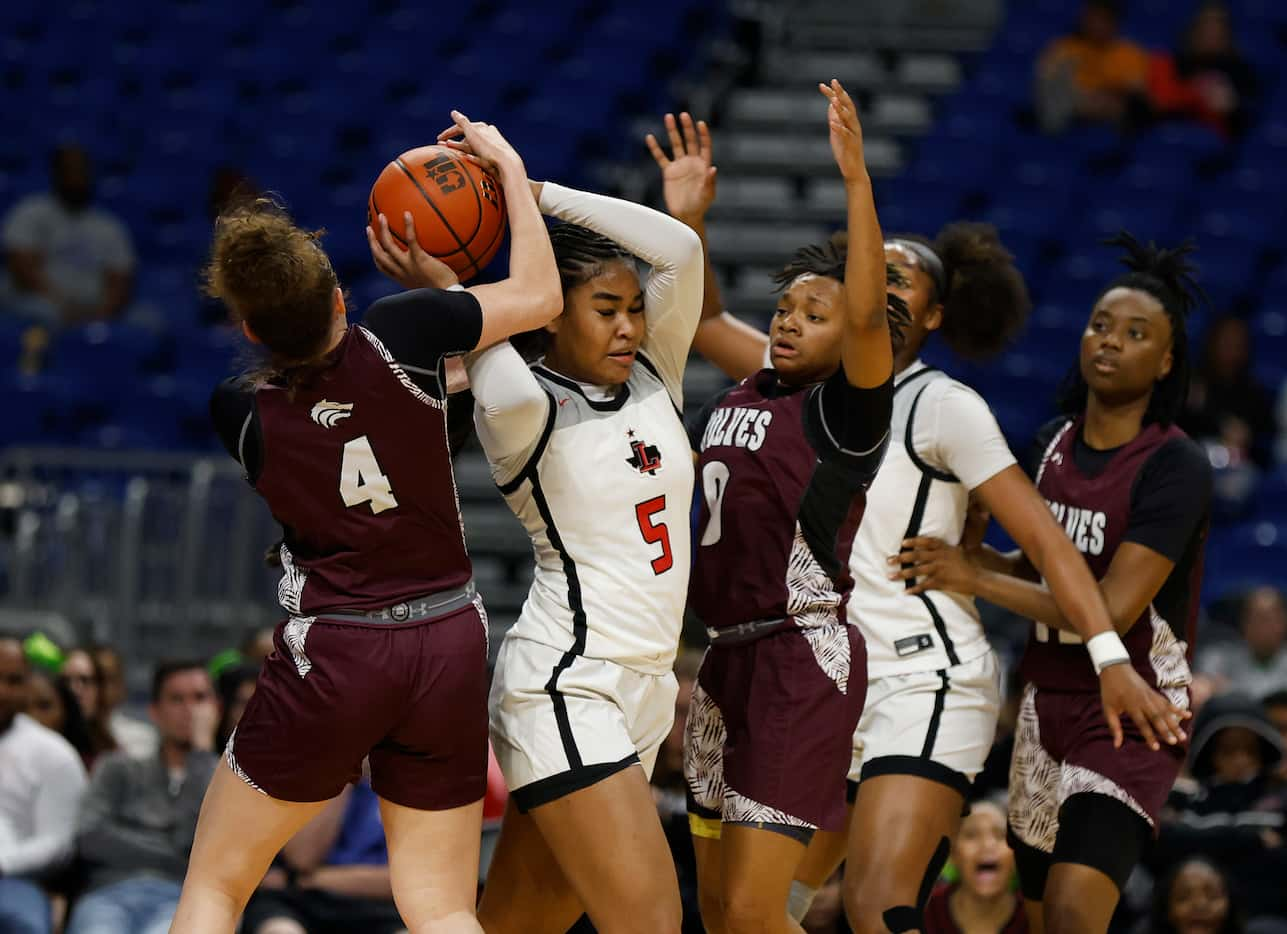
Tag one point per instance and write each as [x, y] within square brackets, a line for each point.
[1033, 866]
[903, 918]
[906, 917]
[1102, 833]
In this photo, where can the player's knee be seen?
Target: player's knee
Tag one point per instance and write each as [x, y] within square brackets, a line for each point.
[748, 908]
[711, 904]
[1070, 915]
[880, 903]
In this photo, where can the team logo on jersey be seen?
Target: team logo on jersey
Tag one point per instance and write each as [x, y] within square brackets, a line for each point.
[328, 414]
[644, 457]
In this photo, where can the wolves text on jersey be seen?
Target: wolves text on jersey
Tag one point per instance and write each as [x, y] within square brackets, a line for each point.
[1084, 526]
[737, 427]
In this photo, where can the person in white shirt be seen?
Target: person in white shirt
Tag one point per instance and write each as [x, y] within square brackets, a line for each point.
[588, 447]
[42, 782]
[69, 261]
[934, 688]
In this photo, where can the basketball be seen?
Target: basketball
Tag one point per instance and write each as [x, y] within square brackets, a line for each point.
[458, 207]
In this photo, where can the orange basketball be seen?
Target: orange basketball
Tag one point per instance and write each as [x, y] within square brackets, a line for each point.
[458, 208]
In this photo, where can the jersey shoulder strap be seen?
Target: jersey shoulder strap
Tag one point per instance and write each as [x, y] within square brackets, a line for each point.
[906, 405]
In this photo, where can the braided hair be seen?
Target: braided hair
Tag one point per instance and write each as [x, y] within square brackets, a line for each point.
[984, 298]
[580, 254]
[828, 260]
[1168, 276]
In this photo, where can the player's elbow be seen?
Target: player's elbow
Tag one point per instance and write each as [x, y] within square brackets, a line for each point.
[688, 247]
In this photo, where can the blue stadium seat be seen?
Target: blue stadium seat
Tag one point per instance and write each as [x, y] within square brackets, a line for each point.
[1269, 346]
[1244, 556]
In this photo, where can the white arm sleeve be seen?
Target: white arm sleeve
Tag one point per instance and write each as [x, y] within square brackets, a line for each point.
[967, 441]
[673, 295]
[510, 408]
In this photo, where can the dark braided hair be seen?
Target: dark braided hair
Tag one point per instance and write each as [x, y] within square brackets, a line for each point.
[1168, 276]
[984, 298]
[580, 254]
[828, 260]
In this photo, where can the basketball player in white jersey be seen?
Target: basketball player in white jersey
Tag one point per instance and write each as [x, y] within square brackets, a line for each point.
[933, 692]
[588, 448]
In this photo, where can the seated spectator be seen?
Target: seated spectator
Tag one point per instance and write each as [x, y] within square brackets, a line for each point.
[1207, 79]
[1195, 898]
[1231, 811]
[85, 679]
[333, 876]
[140, 816]
[982, 900]
[52, 704]
[1093, 74]
[1226, 404]
[1256, 664]
[234, 686]
[135, 736]
[42, 783]
[1276, 710]
[68, 261]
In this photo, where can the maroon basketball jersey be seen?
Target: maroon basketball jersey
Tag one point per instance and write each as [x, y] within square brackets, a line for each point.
[356, 467]
[1095, 511]
[776, 521]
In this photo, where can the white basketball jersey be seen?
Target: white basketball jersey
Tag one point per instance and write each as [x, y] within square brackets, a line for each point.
[915, 493]
[606, 497]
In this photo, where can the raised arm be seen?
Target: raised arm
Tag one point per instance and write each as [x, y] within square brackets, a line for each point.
[866, 352]
[531, 295]
[688, 186]
[673, 295]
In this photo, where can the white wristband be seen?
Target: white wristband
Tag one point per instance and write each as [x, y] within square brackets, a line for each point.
[1106, 649]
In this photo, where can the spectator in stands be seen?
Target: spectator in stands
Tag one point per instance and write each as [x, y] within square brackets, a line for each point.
[1093, 74]
[1195, 898]
[51, 703]
[1226, 404]
[234, 686]
[257, 643]
[983, 897]
[42, 782]
[85, 679]
[69, 262]
[1231, 811]
[332, 877]
[1257, 663]
[135, 736]
[1207, 79]
[1276, 710]
[140, 816]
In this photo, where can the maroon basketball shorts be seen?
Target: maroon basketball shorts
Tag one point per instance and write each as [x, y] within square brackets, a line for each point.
[770, 731]
[412, 696]
[1063, 748]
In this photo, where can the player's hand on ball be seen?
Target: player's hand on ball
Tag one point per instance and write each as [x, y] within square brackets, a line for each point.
[846, 132]
[934, 565]
[1123, 691]
[688, 178]
[482, 143]
[410, 267]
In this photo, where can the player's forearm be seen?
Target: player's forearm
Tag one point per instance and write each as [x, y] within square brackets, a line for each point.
[735, 347]
[712, 300]
[866, 351]
[532, 270]
[1028, 599]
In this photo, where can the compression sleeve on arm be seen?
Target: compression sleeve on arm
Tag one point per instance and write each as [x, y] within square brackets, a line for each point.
[510, 410]
[673, 295]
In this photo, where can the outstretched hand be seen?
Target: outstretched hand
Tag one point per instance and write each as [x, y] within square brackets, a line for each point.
[846, 131]
[934, 565]
[688, 178]
[408, 265]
